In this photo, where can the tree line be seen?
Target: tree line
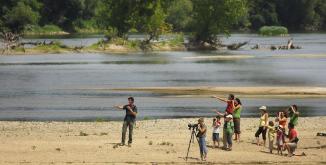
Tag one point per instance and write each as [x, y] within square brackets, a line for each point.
[203, 18]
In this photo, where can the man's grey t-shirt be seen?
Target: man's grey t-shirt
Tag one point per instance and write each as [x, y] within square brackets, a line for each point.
[129, 116]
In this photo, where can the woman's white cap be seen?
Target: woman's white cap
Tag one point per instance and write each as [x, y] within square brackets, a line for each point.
[263, 108]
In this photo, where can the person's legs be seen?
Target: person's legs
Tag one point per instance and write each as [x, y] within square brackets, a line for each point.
[224, 139]
[124, 130]
[237, 129]
[131, 128]
[270, 145]
[259, 131]
[203, 147]
[218, 140]
[264, 135]
[200, 142]
[214, 140]
[290, 148]
[229, 140]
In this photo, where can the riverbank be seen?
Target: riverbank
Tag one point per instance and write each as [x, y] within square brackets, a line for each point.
[254, 92]
[155, 141]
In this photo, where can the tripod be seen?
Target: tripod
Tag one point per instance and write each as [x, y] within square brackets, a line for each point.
[192, 137]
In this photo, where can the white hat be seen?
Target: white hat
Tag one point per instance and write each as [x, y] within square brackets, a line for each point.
[229, 116]
[263, 108]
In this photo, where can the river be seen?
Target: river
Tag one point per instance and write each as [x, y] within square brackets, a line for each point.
[64, 86]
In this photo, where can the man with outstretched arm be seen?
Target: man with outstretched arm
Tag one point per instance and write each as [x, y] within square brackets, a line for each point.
[129, 120]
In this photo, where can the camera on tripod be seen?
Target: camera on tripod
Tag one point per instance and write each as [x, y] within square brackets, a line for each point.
[192, 126]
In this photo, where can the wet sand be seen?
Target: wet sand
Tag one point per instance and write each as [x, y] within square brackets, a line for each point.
[155, 141]
[302, 92]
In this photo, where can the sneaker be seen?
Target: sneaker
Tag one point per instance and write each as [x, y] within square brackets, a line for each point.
[122, 144]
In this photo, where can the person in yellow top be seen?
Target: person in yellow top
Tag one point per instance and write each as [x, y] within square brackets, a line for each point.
[262, 124]
[271, 135]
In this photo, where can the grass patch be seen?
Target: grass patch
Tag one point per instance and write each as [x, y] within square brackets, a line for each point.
[166, 144]
[55, 47]
[273, 30]
[81, 133]
[43, 30]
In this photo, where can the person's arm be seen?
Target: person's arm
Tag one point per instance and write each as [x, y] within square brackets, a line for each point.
[266, 119]
[221, 99]
[295, 113]
[119, 107]
[134, 113]
[201, 130]
[236, 107]
[219, 113]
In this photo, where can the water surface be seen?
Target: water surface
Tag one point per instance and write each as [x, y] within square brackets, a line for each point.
[63, 86]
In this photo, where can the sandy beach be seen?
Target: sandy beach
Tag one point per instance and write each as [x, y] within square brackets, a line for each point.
[163, 141]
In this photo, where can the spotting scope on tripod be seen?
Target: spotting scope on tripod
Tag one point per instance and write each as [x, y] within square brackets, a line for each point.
[193, 135]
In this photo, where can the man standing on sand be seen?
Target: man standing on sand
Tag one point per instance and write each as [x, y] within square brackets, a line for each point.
[129, 120]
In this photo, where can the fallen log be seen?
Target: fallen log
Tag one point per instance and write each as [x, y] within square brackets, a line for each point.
[235, 46]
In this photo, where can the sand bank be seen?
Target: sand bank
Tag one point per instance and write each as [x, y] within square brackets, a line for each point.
[155, 141]
[241, 91]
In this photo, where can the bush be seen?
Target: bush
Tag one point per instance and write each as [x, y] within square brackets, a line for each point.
[47, 29]
[273, 30]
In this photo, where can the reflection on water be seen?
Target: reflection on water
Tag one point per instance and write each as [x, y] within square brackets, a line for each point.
[62, 87]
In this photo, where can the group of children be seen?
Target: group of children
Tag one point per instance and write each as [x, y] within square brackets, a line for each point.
[280, 132]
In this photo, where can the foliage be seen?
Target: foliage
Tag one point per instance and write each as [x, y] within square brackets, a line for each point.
[116, 15]
[205, 18]
[308, 15]
[153, 22]
[262, 13]
[213, 17]
[18, 16]
[179, 15]
[35, 29]
[273, 30]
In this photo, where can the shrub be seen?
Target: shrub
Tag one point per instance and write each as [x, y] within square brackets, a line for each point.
[273, 30]
[47, 29]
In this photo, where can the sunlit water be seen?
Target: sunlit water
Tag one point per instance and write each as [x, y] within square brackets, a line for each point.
[64, 87]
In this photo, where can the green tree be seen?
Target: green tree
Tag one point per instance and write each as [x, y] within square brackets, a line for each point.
[151, 19]
[213, 17]
[120, 15]
[18, 15]
[262, 13]
[299, 14]
[179, 15]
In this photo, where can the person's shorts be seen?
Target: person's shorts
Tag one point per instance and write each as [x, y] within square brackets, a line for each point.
[292, 146]
[236, 125]
[216, 136]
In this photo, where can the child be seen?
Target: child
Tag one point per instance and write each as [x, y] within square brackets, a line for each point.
[280, 138]
[229, 130]
[271, 135]
[216, 131]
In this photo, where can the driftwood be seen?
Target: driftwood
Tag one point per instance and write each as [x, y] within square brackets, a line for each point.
[288, 46]
[234, 46]
[10, 41]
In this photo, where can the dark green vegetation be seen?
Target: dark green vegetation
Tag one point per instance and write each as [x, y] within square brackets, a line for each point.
[79, 15]
[204, 19]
